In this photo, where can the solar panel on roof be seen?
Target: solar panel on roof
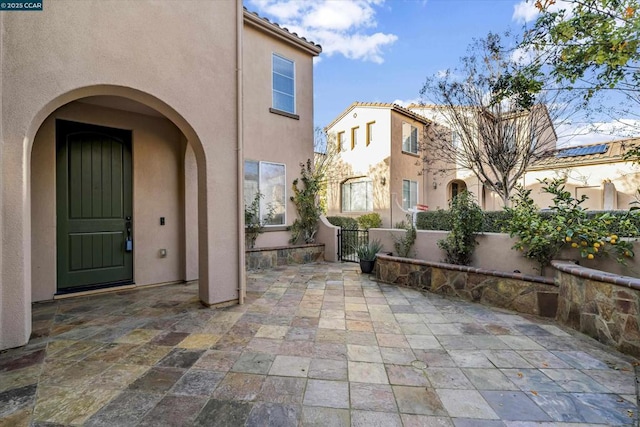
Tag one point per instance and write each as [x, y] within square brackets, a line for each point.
[583, 151]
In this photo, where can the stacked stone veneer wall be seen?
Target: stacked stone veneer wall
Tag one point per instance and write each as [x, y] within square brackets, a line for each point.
[259, 258]
[519, 292]
[602, 305]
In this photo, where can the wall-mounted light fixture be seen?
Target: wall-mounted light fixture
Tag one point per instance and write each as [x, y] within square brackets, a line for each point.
[383, 180]
[435, 185]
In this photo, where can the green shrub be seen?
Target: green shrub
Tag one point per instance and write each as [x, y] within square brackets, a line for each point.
[466, 222]
[368, 251]
[543, 234]
[254, 225]
[370, 220]
[305, 198]
[495, 221]
[434, 220]
[344, 222]
[404, 245]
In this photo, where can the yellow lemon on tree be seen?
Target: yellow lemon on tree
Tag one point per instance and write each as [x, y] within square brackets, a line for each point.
[568, 239]
[613, 241]
[574, 245]
[596, 245]
[590, 256]
[583, 243]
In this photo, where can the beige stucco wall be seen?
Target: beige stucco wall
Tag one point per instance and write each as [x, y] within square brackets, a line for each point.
[494, 252]
[271, 137]
[176, 57]
[370, 161]
[157, 192]
[589, 180]
[405, 166]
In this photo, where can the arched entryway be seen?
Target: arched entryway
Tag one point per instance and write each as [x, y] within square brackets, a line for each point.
[123, 158]
[456, 187]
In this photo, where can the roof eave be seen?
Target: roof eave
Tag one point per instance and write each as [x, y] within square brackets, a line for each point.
[275, 30]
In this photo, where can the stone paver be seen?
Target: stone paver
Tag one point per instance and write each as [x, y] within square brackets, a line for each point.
[314, 345]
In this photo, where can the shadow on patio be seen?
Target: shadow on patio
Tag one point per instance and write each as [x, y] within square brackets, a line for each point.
[317, 344]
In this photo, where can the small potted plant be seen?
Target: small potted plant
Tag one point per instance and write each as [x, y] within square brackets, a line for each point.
[367, 255]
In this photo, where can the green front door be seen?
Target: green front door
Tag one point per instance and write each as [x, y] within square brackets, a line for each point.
[93, 194]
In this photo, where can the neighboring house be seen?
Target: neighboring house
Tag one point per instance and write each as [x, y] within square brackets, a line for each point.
[380, 163]
[532, 134]
[129, 131]
[597, 171]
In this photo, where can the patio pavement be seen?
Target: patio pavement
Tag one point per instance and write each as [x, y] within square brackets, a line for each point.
[317, 344]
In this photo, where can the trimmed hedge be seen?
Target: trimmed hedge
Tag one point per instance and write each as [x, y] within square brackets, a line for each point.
[345, 222]
[494, 220]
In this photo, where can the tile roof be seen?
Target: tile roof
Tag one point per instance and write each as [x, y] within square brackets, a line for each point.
[603, 152]
[388, 105]
[255, 18]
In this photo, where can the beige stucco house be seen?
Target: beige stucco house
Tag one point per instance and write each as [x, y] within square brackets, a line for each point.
[598, 171]
[126, 131]
[532, 133]
[379, 167]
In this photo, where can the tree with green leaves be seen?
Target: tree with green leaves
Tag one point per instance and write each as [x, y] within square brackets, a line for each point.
[590, 47]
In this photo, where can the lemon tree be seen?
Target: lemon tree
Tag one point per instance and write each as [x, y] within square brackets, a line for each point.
[542, 237]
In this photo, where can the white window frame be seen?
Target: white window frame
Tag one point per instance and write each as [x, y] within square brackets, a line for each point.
[410, 147]
[406, 204]
[368, 194]
[264, 206]
[274, 91]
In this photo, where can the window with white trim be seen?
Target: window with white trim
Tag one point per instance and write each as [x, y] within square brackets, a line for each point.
[357, 196]
[409, 138]
[283, 84]
[409, 193]
[342, 142]
[269, 179]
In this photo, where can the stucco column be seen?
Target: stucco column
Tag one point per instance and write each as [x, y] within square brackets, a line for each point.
[217, 226]
[15, 249]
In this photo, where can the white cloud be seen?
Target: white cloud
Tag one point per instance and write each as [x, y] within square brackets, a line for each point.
[592, 133]
[340, 27]
[526, 11]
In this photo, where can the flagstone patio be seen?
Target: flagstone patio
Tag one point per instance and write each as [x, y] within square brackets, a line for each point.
[318, 344]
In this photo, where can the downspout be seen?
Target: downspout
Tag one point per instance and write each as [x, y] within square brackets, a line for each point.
[240, 153]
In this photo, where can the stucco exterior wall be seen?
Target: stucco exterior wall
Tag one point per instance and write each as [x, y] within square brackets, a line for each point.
[405, 166]
[157, 192]
[176, 58]
[363, 161]
[494, 252]
[271, 137]
[589, 180]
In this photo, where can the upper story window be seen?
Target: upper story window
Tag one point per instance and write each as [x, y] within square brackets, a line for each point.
[354, 137]
[283, 83]
[409, 138]
[270, 180]
[456, 140]
[369, 136]
[342, 142]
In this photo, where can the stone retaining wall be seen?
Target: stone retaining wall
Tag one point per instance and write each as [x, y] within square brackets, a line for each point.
[513, 291]
[259, 258]
[602, 305]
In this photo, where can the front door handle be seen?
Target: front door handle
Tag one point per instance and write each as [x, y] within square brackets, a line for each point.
[128, 243]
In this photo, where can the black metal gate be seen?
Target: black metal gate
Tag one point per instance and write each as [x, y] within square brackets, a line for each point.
[348, 242]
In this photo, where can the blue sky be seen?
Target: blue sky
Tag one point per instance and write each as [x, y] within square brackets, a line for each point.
[382, 51]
